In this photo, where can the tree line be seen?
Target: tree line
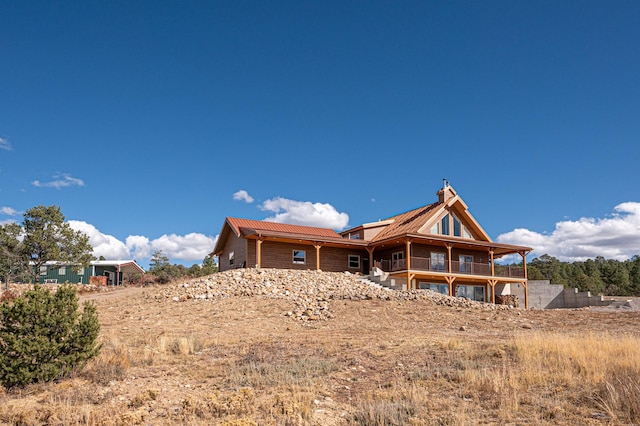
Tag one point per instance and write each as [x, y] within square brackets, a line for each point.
[599, 276]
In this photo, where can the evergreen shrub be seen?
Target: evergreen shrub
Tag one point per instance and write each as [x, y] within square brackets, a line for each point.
[44, 336]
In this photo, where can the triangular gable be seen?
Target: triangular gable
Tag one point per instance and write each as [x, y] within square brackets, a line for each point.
[460, 210]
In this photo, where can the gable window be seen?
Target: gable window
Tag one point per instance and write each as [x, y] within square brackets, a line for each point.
[231, 257]
[299, 257]
[444, 225]
[354, 261]
[457, 227]
[437, 261]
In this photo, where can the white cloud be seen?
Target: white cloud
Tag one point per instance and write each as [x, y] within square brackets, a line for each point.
[190, 247]
[305, 213]
[9, 211]
[60, 181]
[243, 195]
[138, 246]
[614, 237]
[4, 144]
[103, 245]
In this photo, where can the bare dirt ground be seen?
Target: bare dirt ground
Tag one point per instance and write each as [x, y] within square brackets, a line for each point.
[241, 360]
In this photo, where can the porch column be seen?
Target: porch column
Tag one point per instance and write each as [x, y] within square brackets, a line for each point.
[317, 246]
[259, 252]
[493, 266]
[371, 263]
[524, 283]
[493, 283]
[450, 281]
[449, 247]
[409, 286]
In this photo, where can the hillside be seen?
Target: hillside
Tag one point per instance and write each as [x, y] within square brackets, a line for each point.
[249, 347]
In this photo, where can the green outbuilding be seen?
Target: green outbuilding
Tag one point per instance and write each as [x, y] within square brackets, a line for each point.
[105, 272]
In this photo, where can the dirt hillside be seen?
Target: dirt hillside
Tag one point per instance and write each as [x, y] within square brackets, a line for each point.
[275, 347]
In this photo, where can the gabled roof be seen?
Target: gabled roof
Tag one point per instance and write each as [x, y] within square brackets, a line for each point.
[248, 228]
[238, 225]
[407, 223]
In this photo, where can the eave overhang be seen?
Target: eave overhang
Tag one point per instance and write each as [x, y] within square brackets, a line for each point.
[497, 248]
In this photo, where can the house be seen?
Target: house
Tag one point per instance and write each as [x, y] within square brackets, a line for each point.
[108, 272]
[439, 246]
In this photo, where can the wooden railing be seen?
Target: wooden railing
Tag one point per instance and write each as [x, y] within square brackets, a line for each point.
[469, 268]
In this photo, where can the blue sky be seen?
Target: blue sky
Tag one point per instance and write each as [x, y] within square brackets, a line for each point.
[150, 122]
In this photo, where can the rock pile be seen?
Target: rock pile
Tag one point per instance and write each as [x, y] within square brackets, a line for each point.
[310, 291]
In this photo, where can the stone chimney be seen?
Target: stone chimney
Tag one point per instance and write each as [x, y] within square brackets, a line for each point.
[447, 192]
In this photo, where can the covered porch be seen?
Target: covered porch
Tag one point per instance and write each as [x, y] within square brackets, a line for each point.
[452, 267]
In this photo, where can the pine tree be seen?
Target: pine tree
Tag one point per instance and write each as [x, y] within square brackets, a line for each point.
[44, 336]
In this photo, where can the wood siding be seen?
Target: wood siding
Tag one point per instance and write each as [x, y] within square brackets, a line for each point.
[238, 246]
[332, 259]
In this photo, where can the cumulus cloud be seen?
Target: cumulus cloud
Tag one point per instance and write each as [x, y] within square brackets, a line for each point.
[103, 245]
[243, 195]
[4, 144]
[139, 246]
[614, 237]
[190, 247]
[305, 213]
[59, 181]
[9, 211]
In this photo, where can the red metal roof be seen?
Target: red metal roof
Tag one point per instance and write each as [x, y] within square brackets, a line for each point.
[260, 225]
[408, 222]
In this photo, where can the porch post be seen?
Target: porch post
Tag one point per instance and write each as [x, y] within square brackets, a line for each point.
[493, 266]
[449, 247]
[317, 246]
[409, 286]
[259, 252]
[371, 263]
[525, 283]
[450, 281]
[493, 283]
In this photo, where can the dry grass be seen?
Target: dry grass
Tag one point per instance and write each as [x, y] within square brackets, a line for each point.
[242, 362]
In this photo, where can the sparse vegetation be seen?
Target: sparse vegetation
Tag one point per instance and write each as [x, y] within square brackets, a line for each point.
[242, 361]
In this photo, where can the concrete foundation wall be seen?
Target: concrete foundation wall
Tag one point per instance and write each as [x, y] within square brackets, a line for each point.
[579, 299]
[544, 295]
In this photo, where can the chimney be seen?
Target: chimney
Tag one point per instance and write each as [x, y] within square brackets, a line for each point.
[446, 193]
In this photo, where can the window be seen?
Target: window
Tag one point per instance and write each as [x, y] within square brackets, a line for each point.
[444, 225]
[299, 256]
[43, 270]
[457, 227]
[81, 271]
[466, 264]
[471, 292]
[231, 257]
[437, 261]
[62, 270]
[466, 233]
[354, 261]
[397, 261]
[438, 288]
[354, 236]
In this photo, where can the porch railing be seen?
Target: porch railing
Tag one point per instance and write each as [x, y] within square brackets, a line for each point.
[457, 267]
